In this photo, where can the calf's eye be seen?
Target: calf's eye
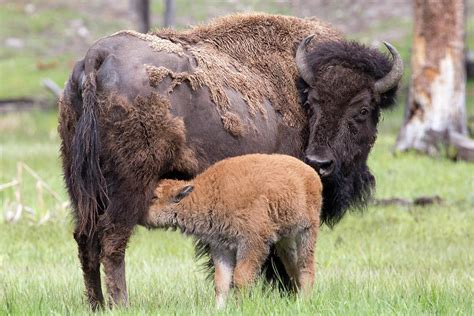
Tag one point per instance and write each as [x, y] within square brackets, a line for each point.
[364, 111]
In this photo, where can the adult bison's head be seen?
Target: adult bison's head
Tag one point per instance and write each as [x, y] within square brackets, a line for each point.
[344, 86]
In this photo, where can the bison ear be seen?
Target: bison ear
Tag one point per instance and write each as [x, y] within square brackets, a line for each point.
[183, 193]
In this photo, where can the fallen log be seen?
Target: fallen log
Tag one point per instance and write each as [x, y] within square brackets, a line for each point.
[21, 104]
[458, 146]
[419, 201]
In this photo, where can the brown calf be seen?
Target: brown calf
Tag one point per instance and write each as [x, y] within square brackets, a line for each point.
[240, 207]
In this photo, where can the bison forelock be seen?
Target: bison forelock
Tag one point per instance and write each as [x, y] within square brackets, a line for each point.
[366, 65]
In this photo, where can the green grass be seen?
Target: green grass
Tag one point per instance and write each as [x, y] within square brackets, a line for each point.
[389, 261]
[28, 83]
[20, 69]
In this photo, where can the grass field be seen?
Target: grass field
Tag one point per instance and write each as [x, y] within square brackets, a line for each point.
[388, 260]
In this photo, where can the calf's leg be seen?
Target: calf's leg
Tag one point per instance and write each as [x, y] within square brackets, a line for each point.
[89, 256]
[224, 262]
[306, 241]
[287, 252]
[251, 255]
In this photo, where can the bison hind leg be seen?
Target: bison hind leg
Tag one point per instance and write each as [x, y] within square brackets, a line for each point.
[89, 256]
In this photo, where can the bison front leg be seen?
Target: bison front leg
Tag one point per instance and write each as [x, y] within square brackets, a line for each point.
[224, 262]
[114, 243]
[89, 252]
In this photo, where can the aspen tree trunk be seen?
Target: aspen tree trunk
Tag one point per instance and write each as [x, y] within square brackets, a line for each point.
[436, 101]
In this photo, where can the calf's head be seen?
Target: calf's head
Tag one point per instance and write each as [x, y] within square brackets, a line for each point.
[344, 85]
[167, 197]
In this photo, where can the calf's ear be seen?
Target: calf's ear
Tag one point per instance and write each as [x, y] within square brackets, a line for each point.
[183, 193]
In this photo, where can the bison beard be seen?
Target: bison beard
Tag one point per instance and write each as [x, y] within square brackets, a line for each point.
[346, 191]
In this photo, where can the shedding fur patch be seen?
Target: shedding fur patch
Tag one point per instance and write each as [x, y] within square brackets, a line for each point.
[231, 121]
[251, 54]
[219, 72]
[159, 138]
[157, 74]
[156, 43]
[233, 124]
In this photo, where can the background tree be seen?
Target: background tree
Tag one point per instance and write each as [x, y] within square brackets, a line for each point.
[436, 103]
[140, 11]
[169, 14]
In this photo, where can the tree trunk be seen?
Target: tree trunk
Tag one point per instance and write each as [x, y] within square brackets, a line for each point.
[169, 13]
[140, 12]
[436, 101]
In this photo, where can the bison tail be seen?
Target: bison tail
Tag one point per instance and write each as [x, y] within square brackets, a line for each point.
[88, 182]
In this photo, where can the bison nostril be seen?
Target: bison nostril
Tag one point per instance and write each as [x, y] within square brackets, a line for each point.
[323, 166]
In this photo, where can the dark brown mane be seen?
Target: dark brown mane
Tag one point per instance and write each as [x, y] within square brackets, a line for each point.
[236, 34]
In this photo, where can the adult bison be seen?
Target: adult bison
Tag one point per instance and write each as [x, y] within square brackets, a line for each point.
[142, 107]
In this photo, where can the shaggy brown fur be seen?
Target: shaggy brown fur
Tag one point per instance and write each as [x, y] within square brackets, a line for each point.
[239, 208]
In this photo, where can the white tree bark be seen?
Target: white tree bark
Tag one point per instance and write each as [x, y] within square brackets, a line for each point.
[436, 101]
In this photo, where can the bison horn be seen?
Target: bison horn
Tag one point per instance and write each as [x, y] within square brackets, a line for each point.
[393, 77]
[304, 70]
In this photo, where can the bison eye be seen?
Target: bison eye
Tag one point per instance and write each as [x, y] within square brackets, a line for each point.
[364, 111]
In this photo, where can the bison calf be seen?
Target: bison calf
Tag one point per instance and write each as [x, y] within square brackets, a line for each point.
[238, 208]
